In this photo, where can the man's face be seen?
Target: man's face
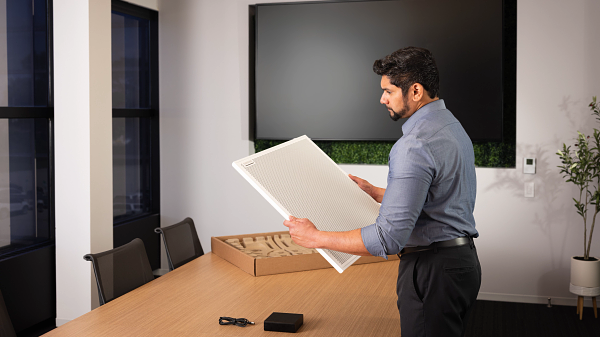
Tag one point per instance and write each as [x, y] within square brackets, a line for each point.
[394, 101]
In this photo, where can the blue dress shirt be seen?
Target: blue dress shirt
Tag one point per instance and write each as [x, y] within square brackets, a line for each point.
[431, 185]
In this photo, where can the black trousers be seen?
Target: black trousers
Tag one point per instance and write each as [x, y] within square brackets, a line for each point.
[436, 289]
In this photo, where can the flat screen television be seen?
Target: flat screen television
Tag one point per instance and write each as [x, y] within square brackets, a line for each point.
[311, 65]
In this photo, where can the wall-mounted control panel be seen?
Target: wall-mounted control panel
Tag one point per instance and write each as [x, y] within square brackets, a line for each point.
[529, 165]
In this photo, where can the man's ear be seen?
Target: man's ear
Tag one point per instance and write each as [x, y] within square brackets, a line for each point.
[418, 92]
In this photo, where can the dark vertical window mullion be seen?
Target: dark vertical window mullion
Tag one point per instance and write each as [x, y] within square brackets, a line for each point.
[50, 49]
[52, 218]
[154, 104]
[50, 103]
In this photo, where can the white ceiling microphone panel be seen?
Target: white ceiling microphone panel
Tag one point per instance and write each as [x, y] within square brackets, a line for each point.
[299, 179]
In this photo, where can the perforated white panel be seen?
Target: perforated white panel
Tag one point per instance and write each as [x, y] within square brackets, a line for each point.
[299, 179]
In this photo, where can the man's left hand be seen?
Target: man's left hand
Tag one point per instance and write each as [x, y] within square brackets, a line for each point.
[303, 232]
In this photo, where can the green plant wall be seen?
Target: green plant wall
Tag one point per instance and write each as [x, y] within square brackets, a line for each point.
[487, 154]
[492, 154]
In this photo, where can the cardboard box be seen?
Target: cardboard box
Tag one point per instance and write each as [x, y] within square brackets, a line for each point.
[275, 265]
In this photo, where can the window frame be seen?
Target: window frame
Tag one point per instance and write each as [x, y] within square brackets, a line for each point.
[153, 111]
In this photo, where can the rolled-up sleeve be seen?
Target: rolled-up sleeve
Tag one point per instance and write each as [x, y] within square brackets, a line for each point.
[411, 171]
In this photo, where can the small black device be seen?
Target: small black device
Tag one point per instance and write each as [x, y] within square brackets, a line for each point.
[284, 322]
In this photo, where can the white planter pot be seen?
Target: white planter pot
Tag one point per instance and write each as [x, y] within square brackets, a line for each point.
[585, 273]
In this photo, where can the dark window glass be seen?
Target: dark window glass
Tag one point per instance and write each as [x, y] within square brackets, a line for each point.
[130, 62]
[25, 132]
[24, 183]
[23, 53]
[135, 115]
[132, 190]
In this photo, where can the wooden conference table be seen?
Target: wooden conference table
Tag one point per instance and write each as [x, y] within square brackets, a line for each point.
[189, 301]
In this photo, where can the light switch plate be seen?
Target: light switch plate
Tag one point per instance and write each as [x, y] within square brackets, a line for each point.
[529, 189]
[529, 165]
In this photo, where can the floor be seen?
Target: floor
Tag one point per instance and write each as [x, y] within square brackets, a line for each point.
[503, 319]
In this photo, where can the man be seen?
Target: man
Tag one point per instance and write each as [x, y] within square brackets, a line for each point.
[426, 211]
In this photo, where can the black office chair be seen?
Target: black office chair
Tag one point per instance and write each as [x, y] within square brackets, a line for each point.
[120, 270]
[181, 243]
[6, 327]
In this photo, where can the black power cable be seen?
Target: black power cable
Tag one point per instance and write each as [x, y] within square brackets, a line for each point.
[237, 321]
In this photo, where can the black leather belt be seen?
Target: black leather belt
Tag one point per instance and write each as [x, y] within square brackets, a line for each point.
[441, 244]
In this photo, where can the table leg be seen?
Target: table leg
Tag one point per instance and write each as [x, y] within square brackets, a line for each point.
[595, 310]
[580, 307]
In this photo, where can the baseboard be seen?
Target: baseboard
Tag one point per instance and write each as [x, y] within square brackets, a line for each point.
[572, 301]
[60, 321]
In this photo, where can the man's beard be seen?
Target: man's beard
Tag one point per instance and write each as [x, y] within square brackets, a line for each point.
[402, 113]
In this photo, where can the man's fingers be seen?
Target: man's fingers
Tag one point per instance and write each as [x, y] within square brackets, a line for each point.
[361, 182]
[292, 220]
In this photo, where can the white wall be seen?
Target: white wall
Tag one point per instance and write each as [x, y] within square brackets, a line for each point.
[525, 244]
[151, 4]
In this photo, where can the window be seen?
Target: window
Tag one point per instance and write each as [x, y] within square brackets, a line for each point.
[132, 167]
[134, 113]
[130, 61]
[136, 196]
[26, 185]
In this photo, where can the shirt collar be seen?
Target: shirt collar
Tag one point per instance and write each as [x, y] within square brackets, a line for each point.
[421, 113]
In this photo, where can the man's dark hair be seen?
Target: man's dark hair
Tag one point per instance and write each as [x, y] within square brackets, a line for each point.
[408, 66]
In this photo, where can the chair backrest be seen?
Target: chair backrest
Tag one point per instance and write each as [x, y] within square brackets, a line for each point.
[6, 327]
[120, 270]
[181, 243]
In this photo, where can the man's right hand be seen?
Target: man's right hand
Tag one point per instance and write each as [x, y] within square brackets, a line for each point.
[375, 192]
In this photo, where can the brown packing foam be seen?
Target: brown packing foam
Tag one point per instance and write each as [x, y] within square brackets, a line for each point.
[275, 265]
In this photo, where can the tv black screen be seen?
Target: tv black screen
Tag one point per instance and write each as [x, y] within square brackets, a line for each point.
[313, 65]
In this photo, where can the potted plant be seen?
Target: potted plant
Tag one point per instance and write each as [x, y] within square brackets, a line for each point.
[581, 166]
